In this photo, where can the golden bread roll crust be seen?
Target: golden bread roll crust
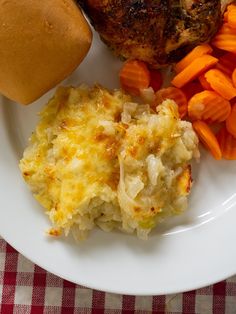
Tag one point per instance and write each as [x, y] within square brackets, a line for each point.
[41, 43]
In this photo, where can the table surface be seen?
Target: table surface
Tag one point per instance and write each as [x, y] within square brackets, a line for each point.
[26, 288]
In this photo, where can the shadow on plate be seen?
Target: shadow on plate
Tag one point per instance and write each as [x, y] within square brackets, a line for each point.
[10, 123]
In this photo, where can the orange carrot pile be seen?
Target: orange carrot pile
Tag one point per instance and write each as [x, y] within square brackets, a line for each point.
[204, 87]
[218, 80]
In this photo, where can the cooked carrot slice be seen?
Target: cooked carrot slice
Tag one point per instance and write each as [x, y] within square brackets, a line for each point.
[227, 144]
[225, 30]
[208, 138]
[229, 8]
[193, 70]
[234, 77]
[134, 76]
[208, 106]
[227, 43]
[231, 121]
[231, 16]
[227, 63]
[192, 55]
[192, 88]
[221, 83]
[204, 82]
[175, 94]
[225, 39]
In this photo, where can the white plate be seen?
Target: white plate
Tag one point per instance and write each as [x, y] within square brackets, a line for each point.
[184, 253]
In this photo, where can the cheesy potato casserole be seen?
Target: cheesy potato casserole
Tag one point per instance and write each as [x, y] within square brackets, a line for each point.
[97, 158]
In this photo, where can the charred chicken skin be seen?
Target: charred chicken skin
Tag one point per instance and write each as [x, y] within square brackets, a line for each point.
[159, 32]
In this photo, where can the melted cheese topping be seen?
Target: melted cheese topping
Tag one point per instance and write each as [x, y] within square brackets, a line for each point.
[97, 158]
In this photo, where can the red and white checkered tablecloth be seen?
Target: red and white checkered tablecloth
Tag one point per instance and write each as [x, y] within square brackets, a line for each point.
[26, 288]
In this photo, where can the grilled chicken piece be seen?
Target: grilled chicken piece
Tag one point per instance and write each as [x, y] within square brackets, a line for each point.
[159, 32]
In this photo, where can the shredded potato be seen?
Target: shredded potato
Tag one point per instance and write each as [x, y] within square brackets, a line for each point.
[97, 158]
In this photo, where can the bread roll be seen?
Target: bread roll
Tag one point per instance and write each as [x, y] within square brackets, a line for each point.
[41, 43]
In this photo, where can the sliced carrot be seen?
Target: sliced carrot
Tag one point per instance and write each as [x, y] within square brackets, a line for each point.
[204, 82]
[208, 106]
[208, 138]
[221, 83]
[134, 76]
[227, 144]
[227, 63]
[225, 38]
[234, 77]
[193, 70]
[155, 80]
[231, 121]
[175, 94]
[231, 16]
[229, 8]
[225, 30]
[226, 42]
[192, 88]
[192, 55]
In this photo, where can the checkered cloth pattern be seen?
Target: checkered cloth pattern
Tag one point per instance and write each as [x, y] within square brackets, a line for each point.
[26, 288]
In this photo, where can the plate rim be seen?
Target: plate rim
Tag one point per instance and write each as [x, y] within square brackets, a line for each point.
[103, 287]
